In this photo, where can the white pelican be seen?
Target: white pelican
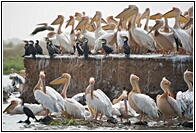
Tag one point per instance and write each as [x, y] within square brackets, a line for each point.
[47, 96]
[110, 19]
[98, 101]
[63, 38]
[72, 107]
[89, 35]
[140, 36]
[185, 99]
[97, 18]
[183, 35]
[167, 104]
[15, 108]
[125, 110]
[141, 103]
[165, 41]
[109, 28]
[146, 15]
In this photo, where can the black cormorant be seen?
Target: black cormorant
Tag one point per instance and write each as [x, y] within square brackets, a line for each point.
[28, 112]
[86, 48]
[38, 48]
[79, 48]
[108, 49]
[126, 46]
[30, 49]
[51, 49]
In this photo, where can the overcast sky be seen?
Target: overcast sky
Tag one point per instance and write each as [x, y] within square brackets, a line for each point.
[19, 19]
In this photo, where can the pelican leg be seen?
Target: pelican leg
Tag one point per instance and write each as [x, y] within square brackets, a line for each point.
[100, 116]
[96, 116]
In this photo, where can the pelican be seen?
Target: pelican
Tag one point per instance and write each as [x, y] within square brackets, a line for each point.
[15, 108]
[47, 96]
[17, 81]
[146, 15]
[141, 103]
[185, 99]
[110, 19]
[98, 101]
[72, 107]
[140, 36]
[97, 18]
[126, 111]
[89, 35]
[167, 104]
[165, 41]
[109, 28]
[42, 28]
[183, 35]
[63, 38]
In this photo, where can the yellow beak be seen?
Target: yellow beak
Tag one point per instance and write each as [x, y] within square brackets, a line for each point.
[59, 80]
[123, 13]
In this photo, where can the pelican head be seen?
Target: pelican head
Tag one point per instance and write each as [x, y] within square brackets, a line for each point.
[12, 105]
[58, 20]
[145, 14]
[134, 77]
[133, 10]
[70, 21]
[188, 75]
[92, 82]
[110, 19]
[42, 77]
[62, 79]
[123, 13]
[78, 15]
[165, 86]
[158, 25]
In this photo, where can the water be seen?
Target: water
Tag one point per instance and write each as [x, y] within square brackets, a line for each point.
[10, 122]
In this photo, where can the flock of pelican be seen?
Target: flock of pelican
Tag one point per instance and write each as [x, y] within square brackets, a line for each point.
[160, 38]
[98, 103]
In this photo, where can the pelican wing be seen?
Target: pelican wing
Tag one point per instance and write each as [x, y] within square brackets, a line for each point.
[64, 42]
[146, 104]
[174, 104]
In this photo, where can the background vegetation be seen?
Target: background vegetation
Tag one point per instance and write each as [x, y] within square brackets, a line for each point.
[12, 56]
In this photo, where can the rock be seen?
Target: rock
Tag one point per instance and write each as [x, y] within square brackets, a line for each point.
[111, 73]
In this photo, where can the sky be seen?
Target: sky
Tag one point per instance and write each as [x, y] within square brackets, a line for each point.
[19, 19]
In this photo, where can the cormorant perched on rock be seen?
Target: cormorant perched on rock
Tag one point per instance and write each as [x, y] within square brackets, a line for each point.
[28, 112]
[30, 49]
[126, 46]
[42, 28]
[86, 48]
[38, 48]
[26, 44]
[51, 49]
[79, 48]
[108, 49]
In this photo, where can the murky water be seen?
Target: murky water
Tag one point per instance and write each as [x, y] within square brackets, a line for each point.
[10, 122]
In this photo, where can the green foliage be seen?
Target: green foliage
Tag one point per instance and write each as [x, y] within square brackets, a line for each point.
[12, 58]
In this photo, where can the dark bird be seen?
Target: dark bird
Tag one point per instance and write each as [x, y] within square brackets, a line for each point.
[86, 48]
[126, 46]
[51, 49]
[42, 28]
[79, 48]
[38, 48]
[108, 49]
[30, 49]
[26, 44]
[28, 112]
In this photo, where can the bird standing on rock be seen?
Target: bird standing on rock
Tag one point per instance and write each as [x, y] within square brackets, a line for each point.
[78, 47]
[51, 49]
[86, 48]
[126, 47]
[28, 112]
[108, 49]
[30, 49]
[38, 48]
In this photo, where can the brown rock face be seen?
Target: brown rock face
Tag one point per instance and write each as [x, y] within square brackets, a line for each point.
[111, 73]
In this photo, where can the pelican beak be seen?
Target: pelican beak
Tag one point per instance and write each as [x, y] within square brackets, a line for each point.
[123, 13]
[43, 84]
[190, 77]
[154, 27]
[129, 14]
[95, 18]
[183, 19]
[70, 21]
[107, 27]
[59, 80]
[170, 14]
[57, 21]
[169, 90]
[156, 16]
[92, 88]
[103, 21]
[188, 23]
[80, 24]
[146, 13]
[9, 107]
